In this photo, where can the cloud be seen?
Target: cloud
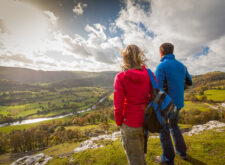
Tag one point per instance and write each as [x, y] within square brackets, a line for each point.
[53, 19]
[96, 34]
[96, 47]
[76, 46]
[2, 27]
[183, 23]
[16, 58]
[79, 8]
[38, 42]
[25, 27]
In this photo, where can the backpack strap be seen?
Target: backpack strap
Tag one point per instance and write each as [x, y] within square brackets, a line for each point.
[152, 78]
[155, 86]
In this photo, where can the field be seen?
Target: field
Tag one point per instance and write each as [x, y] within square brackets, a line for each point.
[59, 137]
[24, 105]
[188, 105]
[215, 95]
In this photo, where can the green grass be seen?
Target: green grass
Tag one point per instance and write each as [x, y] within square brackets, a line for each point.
[59, 161]
[73, 127]
[185, 126]
[111, 97]
[26, 104]
[52, 113]
[206, 148]
[5, 159]
[15, 110]
[10, 128]
[60, 149]
[188, 105]
[215, 95]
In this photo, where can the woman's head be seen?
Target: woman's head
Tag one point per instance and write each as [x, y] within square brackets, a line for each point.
[133, 57]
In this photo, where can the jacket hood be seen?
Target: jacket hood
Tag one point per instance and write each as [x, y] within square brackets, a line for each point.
[136, 75]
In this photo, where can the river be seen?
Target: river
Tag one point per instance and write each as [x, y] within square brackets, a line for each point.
[30, 121]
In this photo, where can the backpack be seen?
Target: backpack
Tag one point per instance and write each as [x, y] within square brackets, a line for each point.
[159, 110]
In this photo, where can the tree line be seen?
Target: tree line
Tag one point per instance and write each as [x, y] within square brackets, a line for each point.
[54, 132]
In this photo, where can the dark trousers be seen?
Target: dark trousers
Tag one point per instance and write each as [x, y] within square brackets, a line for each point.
[166, 142]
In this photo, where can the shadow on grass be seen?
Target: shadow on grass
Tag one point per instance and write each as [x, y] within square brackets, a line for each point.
[194, 161]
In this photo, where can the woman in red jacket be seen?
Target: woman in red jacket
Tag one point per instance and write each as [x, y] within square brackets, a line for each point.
[132, 92]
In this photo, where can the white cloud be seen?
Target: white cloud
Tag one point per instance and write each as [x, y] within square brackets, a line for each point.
[79, 8]
[53, 19]
[46, 47]
[37, 41]
[189, 25]
[25, 28]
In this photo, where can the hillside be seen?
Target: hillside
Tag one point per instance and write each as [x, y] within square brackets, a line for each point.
[57, 138]
[28, 76]
[208, 78]
[205, 143]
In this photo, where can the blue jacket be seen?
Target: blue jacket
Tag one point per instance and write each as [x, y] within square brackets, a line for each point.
[172, 77]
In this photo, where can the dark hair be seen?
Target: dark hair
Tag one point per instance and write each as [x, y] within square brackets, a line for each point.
[166, 48]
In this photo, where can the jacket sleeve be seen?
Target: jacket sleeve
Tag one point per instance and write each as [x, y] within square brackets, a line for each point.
[188, 79]
[160, 76]
[119, 97]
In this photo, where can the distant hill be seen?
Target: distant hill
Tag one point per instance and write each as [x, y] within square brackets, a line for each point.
[101, 79]
[209, 78]
[57, 78]
[14, 77]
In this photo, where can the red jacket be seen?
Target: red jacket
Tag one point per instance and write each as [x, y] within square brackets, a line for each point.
[132, 92]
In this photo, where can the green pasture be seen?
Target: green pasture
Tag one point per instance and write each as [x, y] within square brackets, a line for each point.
[188, 105]
[215, 95]
[19, 110]
[62, 100]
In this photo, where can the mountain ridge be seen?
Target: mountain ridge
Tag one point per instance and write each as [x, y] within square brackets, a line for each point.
[27, 76]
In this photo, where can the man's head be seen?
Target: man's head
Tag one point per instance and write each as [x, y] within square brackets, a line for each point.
[166, 48]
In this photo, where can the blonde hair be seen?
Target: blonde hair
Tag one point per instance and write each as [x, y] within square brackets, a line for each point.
[133, 57]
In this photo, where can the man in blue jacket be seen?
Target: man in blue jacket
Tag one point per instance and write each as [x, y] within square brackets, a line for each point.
[172, 77]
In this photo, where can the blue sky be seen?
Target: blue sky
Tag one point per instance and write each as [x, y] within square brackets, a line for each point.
[88, 35]
[103, 12]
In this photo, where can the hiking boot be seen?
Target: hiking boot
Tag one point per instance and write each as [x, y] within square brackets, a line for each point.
[159, 160]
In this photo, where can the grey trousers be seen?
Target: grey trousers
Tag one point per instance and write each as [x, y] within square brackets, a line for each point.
[133, 143]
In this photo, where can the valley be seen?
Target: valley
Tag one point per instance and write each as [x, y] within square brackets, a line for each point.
[25, 100]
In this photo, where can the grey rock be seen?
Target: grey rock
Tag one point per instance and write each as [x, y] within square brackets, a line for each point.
[46, 160]
[38, 157]
[29, 161]
[33, 160]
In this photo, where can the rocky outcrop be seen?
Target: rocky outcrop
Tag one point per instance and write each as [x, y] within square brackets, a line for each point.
[199, 128]
[223, 105]
[39, 159]
[94, 141]
[98, 142]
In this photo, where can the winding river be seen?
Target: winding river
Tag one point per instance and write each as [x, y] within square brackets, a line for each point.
[29, 121]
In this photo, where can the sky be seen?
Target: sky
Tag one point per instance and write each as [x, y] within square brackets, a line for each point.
[88, 35]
